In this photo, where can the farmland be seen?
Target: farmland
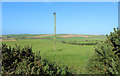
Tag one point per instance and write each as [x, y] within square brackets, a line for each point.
[69, 51]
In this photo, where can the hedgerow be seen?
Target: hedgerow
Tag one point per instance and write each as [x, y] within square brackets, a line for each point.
[87, 42]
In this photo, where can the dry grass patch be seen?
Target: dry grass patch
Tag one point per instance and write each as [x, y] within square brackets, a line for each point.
[40, 36]
[66, 36]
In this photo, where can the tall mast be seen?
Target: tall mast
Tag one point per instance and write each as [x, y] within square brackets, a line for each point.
[54, 31]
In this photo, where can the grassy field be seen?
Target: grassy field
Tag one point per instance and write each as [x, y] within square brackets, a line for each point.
[73, 56]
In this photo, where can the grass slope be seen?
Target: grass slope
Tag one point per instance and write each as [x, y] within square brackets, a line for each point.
[75, 56]
[70, 55]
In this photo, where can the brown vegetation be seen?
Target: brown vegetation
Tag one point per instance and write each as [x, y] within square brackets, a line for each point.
[73, 36]
[40, 36]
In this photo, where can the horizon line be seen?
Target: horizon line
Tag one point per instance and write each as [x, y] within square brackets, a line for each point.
[50, 34]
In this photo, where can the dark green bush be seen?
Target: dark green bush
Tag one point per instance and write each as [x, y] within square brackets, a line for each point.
[106, 58]
[85, 43]
[23, 61]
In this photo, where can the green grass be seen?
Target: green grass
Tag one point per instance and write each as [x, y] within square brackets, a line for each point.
[67, 54]
[20, 35]
[75, 56]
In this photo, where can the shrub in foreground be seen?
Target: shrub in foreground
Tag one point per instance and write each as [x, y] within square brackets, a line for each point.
[23, 61]
[106, 58]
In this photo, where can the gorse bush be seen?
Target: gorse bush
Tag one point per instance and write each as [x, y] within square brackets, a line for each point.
[23, 61]
[106, 58]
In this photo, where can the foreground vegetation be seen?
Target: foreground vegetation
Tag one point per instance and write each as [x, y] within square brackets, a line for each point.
[106, 59]
[23, 61]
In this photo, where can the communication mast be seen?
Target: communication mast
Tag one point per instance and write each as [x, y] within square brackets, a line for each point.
[54, 31]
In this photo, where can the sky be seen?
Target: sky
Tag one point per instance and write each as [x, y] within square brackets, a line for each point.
[93, 18]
